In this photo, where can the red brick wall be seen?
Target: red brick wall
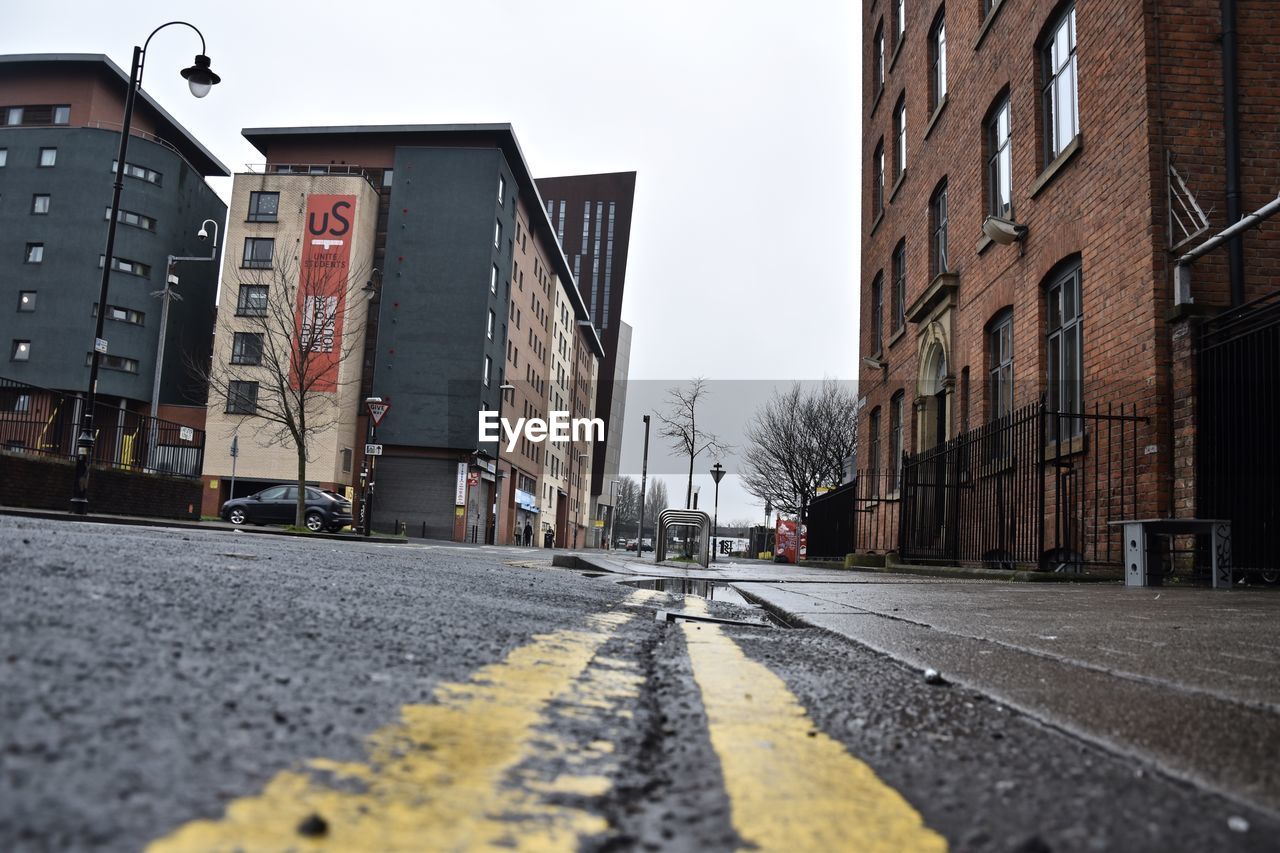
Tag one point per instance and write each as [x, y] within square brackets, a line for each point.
[1149, 77]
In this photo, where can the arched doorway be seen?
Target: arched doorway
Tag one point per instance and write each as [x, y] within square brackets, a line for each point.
[934, 390]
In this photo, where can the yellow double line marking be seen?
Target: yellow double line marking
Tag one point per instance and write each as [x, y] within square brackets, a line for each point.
[790, 786]
[464, 772]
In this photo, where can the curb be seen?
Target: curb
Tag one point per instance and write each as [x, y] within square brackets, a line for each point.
[54, 515]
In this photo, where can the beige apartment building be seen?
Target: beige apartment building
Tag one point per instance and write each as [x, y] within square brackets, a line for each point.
[300, 248]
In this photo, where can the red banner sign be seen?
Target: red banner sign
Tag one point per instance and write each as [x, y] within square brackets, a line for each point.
[322, 287]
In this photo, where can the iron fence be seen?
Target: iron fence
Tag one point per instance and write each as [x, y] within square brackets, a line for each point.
[1035, 488]
[44, 422]
[1237, 406]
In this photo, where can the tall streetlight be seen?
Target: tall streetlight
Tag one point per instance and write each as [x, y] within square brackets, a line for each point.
[497, 464]
[370, 290]
[644, 495]
[166, 295]
[717, 472]
[613, 510]
[200, 79]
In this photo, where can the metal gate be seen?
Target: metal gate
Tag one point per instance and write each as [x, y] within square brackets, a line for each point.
[1237, 410]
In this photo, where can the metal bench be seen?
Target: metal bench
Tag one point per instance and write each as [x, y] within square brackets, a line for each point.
[1137, 532]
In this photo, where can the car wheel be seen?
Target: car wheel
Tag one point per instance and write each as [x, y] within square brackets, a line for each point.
[315, 521]
[1271, 576]
[237, 516]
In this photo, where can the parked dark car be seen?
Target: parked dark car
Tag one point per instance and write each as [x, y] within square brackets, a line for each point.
[326, 510]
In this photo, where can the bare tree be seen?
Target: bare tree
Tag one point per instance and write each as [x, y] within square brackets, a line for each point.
[680, 426]
[655, 502]
[279, 364]
[626, 511]
[798, 441]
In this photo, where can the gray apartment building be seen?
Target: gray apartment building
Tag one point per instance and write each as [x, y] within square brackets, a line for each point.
[59, 132]
[459, 239]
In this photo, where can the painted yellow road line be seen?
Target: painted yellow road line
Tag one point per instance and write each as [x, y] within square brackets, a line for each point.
[790, 786]
[459, 774]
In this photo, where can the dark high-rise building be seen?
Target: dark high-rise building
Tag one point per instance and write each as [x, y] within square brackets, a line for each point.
[59, 134]
[591, 215]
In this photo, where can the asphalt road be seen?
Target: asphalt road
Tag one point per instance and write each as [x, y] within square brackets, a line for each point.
[192, 690]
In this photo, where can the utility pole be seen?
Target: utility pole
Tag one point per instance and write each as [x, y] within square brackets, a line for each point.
[644, 494]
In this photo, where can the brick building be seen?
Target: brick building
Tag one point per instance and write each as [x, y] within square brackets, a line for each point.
[1094, 133]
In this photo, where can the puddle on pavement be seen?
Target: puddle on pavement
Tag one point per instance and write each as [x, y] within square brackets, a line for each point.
[709, 590]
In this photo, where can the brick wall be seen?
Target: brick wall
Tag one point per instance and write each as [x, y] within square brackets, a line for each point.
[45, 483]
[1149, 77]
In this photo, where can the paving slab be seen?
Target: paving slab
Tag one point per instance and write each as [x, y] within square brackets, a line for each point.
[1186, 681]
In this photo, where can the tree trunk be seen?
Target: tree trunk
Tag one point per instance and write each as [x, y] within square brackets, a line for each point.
[301, 509]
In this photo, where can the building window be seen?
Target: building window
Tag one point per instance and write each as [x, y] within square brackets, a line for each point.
[21, 351]
[121, 315]
[1065, 350]
[40, 204]
[492, 321]
[877, 62]
[13, 115]
[252, 301]
[999, 163]
[502, 190]
[4, 157]
[1061, 119]
[113, 362]
[346, 460]
[142, 173]
[388, 175]
[938, 227]
[493, 280]
[246, 348]
[488, 370]
[35, 253]
[242, 397]
[873, 454]
[1000, 364]
[264, 207]
[48, 157]
[127, 266]
[938, 60]
[26, 300]
[899, 21]
[898, 303]
[258, 252]
[497, 235]
[877, 315]
[62, 115]
[900, 136]
[128, 217]
[895, 439]
[877, 181]
[21, 403]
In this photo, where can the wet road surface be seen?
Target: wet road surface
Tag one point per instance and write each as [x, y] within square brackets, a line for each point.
[192, 690]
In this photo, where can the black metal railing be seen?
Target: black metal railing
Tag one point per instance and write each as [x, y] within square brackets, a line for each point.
[1033, 488]
[1237, 408]
[43, 422]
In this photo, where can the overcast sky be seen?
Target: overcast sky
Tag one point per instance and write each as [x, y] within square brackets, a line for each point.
[740, 118]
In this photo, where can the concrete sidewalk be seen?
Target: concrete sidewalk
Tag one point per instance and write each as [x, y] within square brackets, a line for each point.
[1185, 681]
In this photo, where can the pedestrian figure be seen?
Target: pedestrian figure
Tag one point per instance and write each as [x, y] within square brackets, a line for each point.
[549, 538]
[528, 534]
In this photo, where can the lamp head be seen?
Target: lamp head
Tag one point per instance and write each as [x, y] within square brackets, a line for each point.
[202, 234]
[1003, 231]
[200, 77]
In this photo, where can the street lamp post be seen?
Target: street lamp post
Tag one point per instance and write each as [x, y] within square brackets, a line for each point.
[200, 79]
[497, 465]
[370, 463]
[717, 472]
[613, 510]
[644, 477]
[166, 295]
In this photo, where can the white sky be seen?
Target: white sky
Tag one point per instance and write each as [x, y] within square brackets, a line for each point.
[740, 118]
